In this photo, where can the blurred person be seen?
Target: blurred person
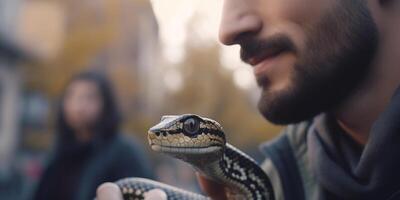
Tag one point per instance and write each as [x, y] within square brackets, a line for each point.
[330, 69]
[90, 149]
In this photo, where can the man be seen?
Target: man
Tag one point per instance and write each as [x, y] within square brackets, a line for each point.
[329, 68]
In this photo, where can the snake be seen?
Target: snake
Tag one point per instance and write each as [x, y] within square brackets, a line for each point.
[201, 142]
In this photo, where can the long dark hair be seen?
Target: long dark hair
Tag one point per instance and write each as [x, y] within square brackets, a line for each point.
[107, 124]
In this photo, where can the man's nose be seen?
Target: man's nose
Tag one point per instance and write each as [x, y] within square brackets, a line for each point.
[238, 19]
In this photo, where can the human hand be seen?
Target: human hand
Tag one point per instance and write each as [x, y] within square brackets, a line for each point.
[212, 189]
[110, 191]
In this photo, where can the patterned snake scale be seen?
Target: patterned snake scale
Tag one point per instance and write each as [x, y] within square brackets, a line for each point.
[201, 142]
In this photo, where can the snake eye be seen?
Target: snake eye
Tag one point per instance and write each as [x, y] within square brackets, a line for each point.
[191, 126]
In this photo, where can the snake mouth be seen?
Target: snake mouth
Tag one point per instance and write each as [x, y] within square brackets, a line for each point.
[188, 150]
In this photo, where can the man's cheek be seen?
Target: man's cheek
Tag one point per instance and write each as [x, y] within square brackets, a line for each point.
[305, 13]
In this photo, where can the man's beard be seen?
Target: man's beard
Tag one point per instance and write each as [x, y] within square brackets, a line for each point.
[336, 60]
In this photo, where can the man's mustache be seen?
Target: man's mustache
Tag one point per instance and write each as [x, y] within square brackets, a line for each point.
[257, 49]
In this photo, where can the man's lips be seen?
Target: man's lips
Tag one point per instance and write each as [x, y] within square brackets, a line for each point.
[254, 51]
[263, 67]
[264, 56]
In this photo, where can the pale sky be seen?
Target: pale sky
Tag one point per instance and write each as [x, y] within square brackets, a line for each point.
[173, 16]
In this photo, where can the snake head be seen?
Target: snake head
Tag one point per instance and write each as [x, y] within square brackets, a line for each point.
[187, 135]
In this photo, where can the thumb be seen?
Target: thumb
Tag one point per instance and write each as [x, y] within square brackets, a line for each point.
[155, 194]
[108, 191]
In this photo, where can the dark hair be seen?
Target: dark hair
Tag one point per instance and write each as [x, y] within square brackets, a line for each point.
[108, 123]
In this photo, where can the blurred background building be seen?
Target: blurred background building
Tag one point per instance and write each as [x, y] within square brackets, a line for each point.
[162, 56]
[10, 87]
[11, 57]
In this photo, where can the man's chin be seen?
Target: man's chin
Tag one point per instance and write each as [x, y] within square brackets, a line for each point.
[284, 110]
[274, 117]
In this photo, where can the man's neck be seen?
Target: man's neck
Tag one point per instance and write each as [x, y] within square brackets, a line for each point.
[358, 113]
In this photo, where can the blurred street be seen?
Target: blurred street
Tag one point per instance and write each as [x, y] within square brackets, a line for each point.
[161, 56]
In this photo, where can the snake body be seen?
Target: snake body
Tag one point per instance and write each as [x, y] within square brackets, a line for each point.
[201, 142]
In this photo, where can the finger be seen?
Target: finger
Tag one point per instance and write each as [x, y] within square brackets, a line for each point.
[155, 194]
[108, 191]
[212, 189]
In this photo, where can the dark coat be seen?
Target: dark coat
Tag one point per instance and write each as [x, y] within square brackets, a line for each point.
[76, 170]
